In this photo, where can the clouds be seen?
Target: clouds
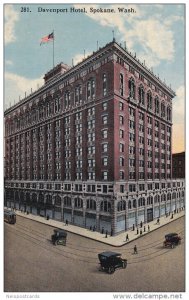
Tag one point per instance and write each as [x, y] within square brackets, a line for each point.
[154, 36]
[11, 17]
[16, 86]
[79, 57]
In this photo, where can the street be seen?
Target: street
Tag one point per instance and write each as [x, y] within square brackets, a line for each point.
[33, 264]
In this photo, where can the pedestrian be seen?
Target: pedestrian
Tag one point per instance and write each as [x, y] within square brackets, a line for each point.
[90, 228]
[127, 237]
[141, 232]
[111, 232]
[158, 221]
[141, 224]
[144, 228]
[66, 222]
[148, 228]
[106, 234]
[135, 250]
[172, 216]
[94, 228]
[133, 227]
[102, 231]
[137, 230]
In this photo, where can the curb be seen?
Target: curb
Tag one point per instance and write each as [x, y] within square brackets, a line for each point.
[103, 242]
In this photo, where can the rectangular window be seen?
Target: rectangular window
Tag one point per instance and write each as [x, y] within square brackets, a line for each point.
[105, 134]
[121, 106]
[104, 147]
[105, 161]
[105, 120]
[105, 175]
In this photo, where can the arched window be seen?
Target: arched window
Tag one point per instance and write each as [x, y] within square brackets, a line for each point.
[163, 198]
[91, 89]
[105, 206]
[91, 204]
[78, 202]
[156, 105]
[67, 201]
[156, 199]
[162, 110]
[129, 204]
[67, 99]
[169, 196]
[141, 95]
[141, 201]
[78, 94]
[132, 88]
[149, 100]
[41, 198]
[121, 205]
[150, 200]
[57, 104]
[57, 200]
[168, 113]
[174, 196]
[134, 203]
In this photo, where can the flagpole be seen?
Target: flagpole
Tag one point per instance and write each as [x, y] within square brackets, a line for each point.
[53, 48]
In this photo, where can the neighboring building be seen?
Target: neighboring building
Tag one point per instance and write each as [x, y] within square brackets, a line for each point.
[178, 165]
[93, 144]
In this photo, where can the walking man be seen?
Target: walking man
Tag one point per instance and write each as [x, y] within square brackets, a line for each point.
[127, 237]
[135, 250]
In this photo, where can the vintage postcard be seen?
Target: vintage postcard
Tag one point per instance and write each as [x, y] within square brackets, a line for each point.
[94, 149]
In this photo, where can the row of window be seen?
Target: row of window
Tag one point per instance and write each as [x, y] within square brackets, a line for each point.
[146, 99]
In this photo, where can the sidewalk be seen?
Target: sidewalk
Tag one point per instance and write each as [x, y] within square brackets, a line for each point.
[117, 241]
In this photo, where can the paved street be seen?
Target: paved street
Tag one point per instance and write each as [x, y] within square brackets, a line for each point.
[33, 264]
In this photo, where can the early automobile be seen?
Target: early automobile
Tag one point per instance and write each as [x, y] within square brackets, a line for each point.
[59, 237]
[9, 216]
[172, 240]
[109, 261]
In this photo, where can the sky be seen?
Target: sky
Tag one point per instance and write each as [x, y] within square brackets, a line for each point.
[155, 32]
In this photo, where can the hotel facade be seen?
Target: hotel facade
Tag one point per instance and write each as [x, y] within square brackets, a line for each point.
[93, 145]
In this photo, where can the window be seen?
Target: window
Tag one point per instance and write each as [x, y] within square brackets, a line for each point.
[121, 147]
[105, 134]
[104, 85]
[132, 88]
[67, 99]
[132, 188]
[121, 161]
[78, 94]
[105, 175]
[141, 95]
[121, 84]
[121, 106]
[104, 106]
[121, 120]
[162, 110]
[168, 113]
[149, 100]
[121, 175]
[91, 89]
[104, 161]
[91, 204]
[105, 120]
[104, 147]
[105, 206]
[121, 134]
[156, 105]
[131, 111]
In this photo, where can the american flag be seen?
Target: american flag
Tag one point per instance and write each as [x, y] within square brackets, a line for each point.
[47, 38]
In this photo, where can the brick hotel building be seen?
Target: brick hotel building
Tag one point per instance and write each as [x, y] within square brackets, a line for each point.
[93, 145]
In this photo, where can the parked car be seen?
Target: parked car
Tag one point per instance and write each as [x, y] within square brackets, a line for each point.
[109, 261]
[172, 240]
[59, 237]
